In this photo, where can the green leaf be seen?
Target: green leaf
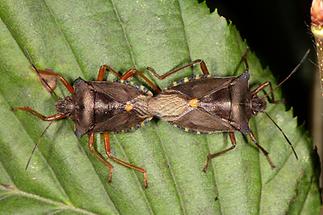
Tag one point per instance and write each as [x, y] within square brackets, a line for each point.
[74, 38]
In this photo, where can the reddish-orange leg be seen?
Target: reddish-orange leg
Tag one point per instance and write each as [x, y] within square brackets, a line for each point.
[121, 162]
[49, 72]
[127, 75]
[233, 141]
[99, 156]
[39, 115]
[202, 64]
[271, 97]
[264, 151]
[133, 72]
[102, 71]
[211, 156]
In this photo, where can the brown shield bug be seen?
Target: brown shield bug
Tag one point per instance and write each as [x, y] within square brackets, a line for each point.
[100, 106]
[206, 104]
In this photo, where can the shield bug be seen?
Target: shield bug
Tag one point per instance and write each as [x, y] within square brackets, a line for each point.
[100, 106]
[206, 104]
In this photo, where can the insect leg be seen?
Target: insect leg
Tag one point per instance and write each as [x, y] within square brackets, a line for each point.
[211, 156]
[49, 72]
[105, 68]
[264, 151]
[244, 59]
[128, 74]
[202, 64]
[133, 72]
[261, 87]
[99, 156]
[121, 162]
[39, 115]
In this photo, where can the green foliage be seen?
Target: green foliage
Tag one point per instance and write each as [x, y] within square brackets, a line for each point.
[75, 38]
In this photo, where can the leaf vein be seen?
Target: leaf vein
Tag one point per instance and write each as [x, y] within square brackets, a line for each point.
[65, 38]
[62, 206]
[172, 174]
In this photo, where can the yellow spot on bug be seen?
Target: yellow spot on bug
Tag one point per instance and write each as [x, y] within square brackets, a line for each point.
[121, 81]
[174, 83]
[128, 107]
[186, 129]
[194, 103]
[186, 80]
[198, 132]
[142, 124]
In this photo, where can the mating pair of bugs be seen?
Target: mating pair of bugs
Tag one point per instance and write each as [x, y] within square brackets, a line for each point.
[202, 103]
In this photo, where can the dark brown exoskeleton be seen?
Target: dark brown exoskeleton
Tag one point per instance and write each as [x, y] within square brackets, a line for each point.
[206, 104]
[100, 106]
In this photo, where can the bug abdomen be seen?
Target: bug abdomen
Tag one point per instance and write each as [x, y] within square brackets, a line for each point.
[168, 107]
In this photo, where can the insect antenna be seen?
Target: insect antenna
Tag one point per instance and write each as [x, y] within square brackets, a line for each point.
[294, 70]
[291, 73]
[51, 90]
[36, 144]
[42, 80]
[283, 134]
[279, 85]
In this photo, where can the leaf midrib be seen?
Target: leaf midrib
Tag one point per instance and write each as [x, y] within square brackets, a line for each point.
[182, 205]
